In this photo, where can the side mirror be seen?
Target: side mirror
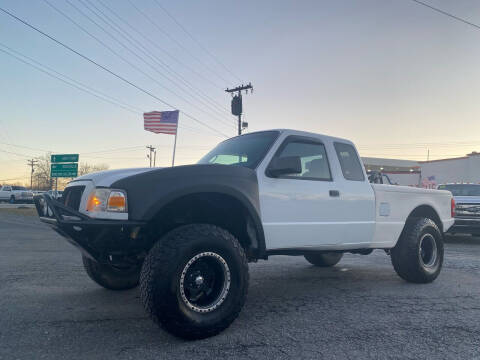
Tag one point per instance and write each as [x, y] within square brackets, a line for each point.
[285, 165]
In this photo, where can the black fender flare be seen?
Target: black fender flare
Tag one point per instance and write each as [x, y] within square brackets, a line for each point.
[149, 192]
[259, 247]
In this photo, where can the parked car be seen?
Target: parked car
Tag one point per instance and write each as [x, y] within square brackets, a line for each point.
[14, 194]
[187, 233]
[467, 209]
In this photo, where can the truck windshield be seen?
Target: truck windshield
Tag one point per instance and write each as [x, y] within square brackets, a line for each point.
[462, 189]
[246, 150]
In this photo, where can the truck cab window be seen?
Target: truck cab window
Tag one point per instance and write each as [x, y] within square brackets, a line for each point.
[313, 158]
[349, 162]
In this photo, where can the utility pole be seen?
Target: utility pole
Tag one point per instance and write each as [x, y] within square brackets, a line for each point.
[152, 149]
[237, 104]
[32, 164]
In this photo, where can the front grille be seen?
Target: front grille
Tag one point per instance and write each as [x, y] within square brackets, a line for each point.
[468, 211]
[72, 196]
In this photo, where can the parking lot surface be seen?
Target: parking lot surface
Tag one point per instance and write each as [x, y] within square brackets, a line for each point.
[359, 309]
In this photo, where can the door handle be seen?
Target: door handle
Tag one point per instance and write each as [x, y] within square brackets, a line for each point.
[334, 193]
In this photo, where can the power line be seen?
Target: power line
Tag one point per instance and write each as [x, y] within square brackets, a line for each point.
[447, 14]
[121, 44]
[152, 151]
[111, 24]
[25, 147]
[32, 163]
[72, 82]
[107, 70]
[162, 50]
[16, 154]
[87, 89]
[196, 41]
[163, 64]
[112, 50]
[176, 42]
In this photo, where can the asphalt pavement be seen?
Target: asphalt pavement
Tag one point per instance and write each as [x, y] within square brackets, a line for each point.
[50, 309]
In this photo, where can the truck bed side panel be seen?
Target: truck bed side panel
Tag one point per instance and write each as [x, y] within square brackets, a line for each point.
[395, 203]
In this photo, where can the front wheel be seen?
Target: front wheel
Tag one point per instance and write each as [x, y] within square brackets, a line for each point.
[194, 281]
[324, 259]
[418, 255]
[12, 200]
[110, 277]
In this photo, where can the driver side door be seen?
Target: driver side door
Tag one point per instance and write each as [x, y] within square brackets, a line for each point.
[304, 209]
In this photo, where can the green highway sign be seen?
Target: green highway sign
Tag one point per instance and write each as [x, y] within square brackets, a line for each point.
[64, 158]
[64, 170]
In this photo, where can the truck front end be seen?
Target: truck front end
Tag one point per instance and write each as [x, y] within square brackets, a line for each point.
[467, 208]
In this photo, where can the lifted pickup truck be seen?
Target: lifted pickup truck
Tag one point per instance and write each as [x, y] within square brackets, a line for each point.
[187, 233]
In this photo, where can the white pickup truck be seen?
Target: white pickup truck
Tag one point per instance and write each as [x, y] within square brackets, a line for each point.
[14, 194]
[187, 233]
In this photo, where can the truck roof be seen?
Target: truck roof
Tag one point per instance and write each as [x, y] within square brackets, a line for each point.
[302, 133]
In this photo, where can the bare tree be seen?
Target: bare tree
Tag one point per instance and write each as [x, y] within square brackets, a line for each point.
[42, 172]
[86, 168]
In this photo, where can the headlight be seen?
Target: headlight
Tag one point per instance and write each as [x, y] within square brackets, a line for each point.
[107, 200]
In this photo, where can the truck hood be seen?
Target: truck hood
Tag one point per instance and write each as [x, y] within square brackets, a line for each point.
[108, 177]
[467, 199]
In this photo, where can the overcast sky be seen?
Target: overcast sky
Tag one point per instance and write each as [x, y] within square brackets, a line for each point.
[393, 76]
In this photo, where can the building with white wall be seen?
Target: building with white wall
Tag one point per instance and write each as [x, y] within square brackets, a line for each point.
[462, 169]
[428, 174]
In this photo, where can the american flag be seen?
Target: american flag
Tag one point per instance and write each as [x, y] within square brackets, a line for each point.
[164, 122]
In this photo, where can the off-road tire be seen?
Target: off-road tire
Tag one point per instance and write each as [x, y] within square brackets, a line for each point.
[111, 278]
[324, 259]
[160, 280]
[407, 254]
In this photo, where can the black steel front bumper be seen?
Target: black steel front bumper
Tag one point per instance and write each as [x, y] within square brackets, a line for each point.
[92, 236]
[465, 226]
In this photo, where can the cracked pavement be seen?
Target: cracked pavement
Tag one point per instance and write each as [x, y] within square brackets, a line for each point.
[50, 309]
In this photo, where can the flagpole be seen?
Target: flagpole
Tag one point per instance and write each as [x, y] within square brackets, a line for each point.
[175, 142]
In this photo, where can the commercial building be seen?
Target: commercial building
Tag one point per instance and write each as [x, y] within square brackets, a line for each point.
[428, 174]
[464, 169]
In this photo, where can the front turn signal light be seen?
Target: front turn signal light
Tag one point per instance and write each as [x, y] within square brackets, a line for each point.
[117, 201]
[103, 199]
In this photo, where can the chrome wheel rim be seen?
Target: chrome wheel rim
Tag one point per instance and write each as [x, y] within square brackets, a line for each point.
[427, 251]
[205, 282]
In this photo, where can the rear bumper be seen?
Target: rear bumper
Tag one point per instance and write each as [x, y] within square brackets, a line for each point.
[92, 236]
[467, 226]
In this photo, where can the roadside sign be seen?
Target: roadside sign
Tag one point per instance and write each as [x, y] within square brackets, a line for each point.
[64, 170]
[64, 158]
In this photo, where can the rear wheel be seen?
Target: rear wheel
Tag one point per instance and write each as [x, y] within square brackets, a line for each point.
[12, 200]
[418, 255]
[194, 281]
[324, 259]
[110, 277]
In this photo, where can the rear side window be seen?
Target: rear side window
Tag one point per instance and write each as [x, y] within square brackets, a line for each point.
[349, 162]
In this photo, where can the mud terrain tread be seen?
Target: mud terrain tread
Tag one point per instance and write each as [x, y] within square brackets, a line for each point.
[163, 256]
[109, 278]
[404, 255]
